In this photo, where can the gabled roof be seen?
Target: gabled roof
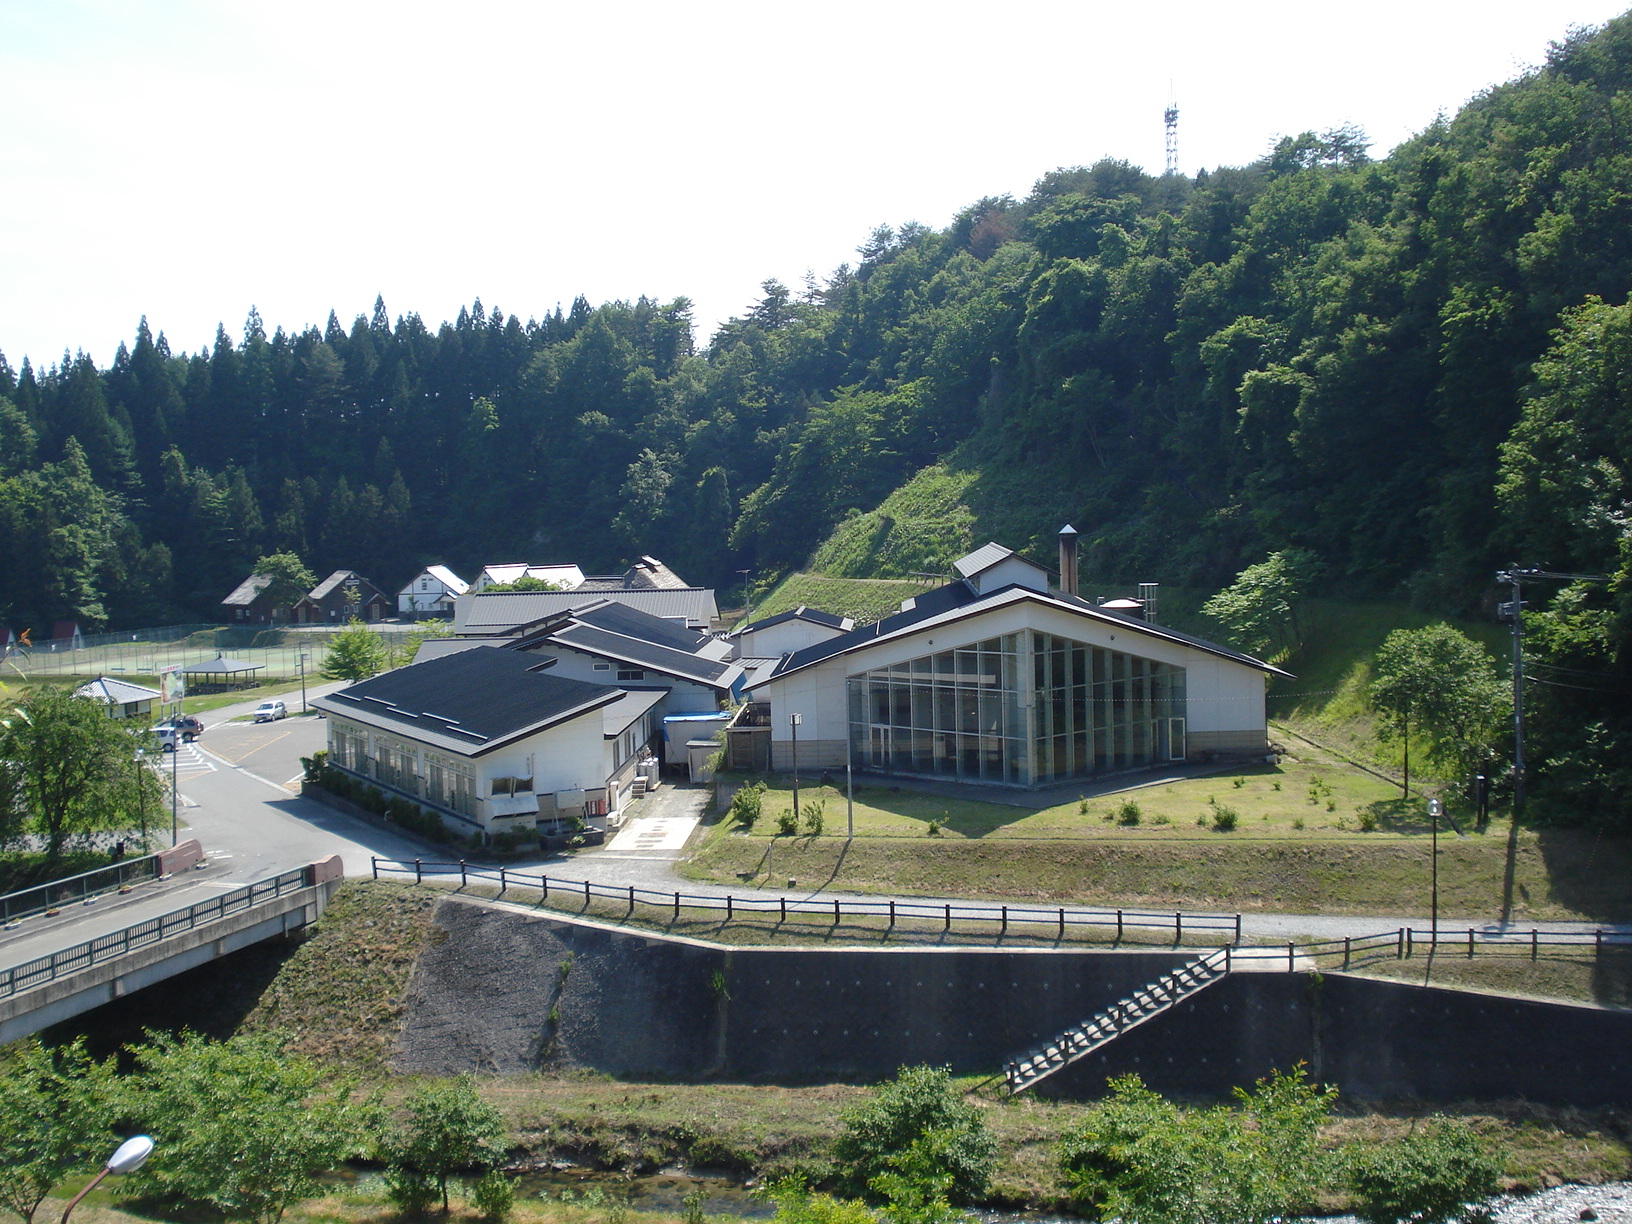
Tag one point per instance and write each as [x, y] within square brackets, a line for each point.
[956, 602]
[566, 577]
[652, 573]
[220, 666]
[983, 558]
[116, 692]
[248, 591]
[637, 653]
[487, 613]
[338, 579]
[470, 703]
[448, 578]
[815, 616]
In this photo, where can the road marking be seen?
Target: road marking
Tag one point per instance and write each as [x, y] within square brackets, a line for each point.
[655, 833]
[248, 773]
[257, 748]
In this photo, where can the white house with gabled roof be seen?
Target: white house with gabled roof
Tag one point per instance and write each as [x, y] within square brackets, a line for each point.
[431, 593]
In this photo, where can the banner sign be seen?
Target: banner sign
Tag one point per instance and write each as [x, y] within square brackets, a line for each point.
[172, 687]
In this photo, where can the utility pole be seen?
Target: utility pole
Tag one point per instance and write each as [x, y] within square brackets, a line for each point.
[1513, 613]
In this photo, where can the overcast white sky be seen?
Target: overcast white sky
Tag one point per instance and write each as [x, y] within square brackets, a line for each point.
[186, 159]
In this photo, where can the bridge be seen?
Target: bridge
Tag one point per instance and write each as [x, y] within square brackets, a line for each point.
[79, 973]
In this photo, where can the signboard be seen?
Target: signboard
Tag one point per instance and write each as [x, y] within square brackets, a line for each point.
[172, 688]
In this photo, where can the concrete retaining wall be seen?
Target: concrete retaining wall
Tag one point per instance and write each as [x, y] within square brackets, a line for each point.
[647, 1007]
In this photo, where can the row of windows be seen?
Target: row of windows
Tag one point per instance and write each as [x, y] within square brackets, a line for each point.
[965, 712]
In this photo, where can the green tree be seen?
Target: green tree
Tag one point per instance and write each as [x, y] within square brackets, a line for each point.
[355, 653]
[72, 765]
[449, 1129]
[291, 578]
[242, 1125]
[1426, 1177]
[1140, 1158]
[56, 1115]
[1445, 684]
[919, 1106]
[1258, 610]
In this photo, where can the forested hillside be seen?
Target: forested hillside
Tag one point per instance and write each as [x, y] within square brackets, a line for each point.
[1416, 367]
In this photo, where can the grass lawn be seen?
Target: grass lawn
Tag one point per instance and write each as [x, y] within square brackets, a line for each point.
[1310, 835]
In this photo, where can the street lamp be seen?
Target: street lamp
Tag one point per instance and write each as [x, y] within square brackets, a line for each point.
[747, 596]
[130, 1156]
[303, 682]
[1434, 809]
[793, 722]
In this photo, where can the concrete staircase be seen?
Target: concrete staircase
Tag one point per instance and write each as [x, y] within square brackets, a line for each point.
[1082, 1039]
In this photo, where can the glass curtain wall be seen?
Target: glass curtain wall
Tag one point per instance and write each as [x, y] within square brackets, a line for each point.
[1024, 709]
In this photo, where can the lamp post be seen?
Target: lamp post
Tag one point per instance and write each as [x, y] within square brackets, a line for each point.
[175, 790]
[793, 722]
[129, 1157]
[1434, 809]
[141, 796]
[747, 595]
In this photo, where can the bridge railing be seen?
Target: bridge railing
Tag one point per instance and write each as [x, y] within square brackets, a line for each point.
[82, 956]
[76, 889]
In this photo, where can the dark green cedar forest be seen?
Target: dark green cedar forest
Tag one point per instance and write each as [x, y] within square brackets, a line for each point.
[1418, 368]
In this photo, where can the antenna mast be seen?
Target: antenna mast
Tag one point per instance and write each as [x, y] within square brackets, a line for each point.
[1171, 118]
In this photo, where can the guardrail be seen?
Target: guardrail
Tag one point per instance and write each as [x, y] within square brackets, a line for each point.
[1061, 917]
[1403, 943]
[82, 956]
[87, 886]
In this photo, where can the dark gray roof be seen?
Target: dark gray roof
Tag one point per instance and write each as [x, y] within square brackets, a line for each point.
[632, 622]
[248, 591]
[638, 653]
[220, 666]
[955, 602]
[486, 613]
[340, 578]
[814, 615]
[471, 702]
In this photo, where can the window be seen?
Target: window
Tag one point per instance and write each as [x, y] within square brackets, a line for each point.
[603, 667]
[630, 673]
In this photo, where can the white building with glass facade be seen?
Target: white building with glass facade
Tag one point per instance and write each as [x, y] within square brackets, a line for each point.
[998, 678]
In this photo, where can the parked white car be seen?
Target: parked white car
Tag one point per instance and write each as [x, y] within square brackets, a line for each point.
[271, 711]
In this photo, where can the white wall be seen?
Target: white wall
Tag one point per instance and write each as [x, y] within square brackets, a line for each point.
[1221, 695]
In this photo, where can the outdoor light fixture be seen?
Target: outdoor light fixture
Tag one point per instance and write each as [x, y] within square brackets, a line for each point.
[793, 724]
[130, 1156]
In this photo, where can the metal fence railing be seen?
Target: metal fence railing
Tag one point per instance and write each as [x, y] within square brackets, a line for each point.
[276, 649]
[892, 910]
[82, 956]
[1402, 943]
[82, 889]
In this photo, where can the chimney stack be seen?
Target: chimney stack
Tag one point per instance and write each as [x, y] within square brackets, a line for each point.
[1068, 559]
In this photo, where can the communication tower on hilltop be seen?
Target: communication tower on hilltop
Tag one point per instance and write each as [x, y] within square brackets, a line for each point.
[1171, 117]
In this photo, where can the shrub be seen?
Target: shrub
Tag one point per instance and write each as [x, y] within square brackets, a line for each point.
[919, 1106]
[815, 817]
[1145, 1160]
[934, 828]
[1368, 820]
[1426, 1177]
[1128, 813]
[747, 803]
[449, 1129]
[1225, 818]
[787, 823]
[494, 1195]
